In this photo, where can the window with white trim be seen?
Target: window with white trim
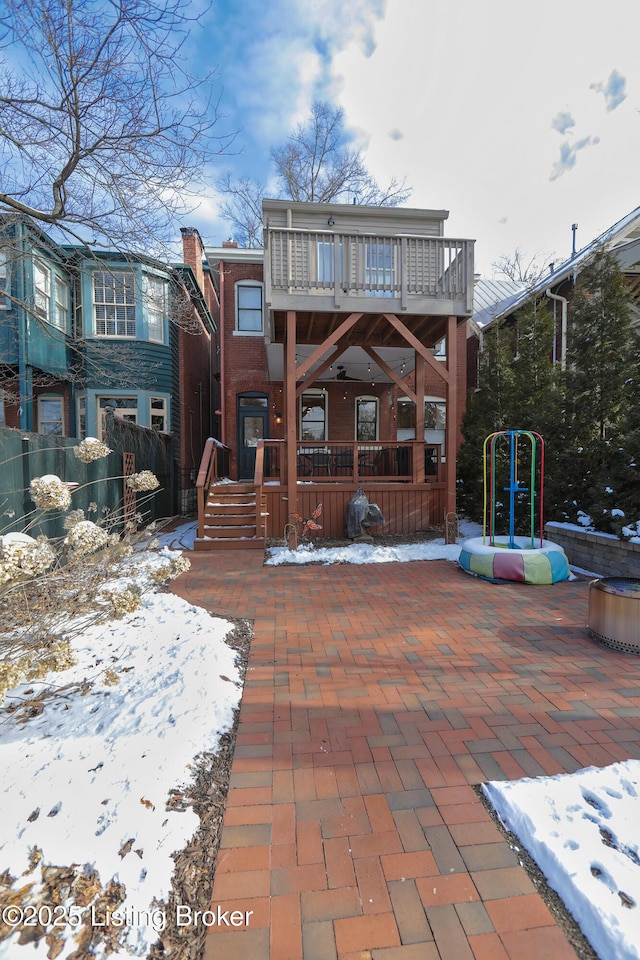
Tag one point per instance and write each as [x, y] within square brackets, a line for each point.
[158, 414]
[155, 300]
[5, 303]
[114, 304]
[42, 289]
[248, 307]
[313, 415]
[366, 418]
[125, 408]
[379, 268]
[51, 416]
[61, 303]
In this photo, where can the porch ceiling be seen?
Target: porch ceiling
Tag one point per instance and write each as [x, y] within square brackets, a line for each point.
[313, 327]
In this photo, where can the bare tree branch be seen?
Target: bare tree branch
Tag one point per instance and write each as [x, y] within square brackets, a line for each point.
[313, 165]
[102, 127]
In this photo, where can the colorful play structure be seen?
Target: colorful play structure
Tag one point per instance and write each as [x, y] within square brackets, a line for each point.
[526, 559]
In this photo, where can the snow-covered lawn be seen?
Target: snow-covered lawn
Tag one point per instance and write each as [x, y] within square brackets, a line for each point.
[96, 778]
[582, 831]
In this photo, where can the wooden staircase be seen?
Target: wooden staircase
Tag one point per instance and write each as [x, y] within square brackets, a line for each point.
[230, 513]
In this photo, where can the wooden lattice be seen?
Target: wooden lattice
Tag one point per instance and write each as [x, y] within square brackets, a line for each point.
[129, 468]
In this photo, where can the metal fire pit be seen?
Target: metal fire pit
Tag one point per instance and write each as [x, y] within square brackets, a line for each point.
[614, 612]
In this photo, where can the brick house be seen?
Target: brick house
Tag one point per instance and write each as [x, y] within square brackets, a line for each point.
[350, 320]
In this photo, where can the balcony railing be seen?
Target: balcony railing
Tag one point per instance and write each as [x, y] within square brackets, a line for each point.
[333, 270]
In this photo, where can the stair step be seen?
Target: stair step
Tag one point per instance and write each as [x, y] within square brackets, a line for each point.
[214, 530]
[244, 543]
[212, 519]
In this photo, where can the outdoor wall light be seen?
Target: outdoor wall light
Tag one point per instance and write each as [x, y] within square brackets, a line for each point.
[278, 417]
[330, 222]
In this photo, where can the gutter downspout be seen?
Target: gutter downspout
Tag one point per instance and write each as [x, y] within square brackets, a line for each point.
[563, 333]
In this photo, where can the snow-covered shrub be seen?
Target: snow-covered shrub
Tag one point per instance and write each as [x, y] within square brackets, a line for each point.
[145, 480]
[50, 493]
[91, 449]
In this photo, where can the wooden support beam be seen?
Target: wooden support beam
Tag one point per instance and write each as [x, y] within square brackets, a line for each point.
[341, 346]
[331, 340]
[399, 382]
[452, 413]
[418, 347]
[418, 459]
[290, 405]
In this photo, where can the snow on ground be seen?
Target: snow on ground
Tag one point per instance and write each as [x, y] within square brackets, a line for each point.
[582, 831]
[94, 770]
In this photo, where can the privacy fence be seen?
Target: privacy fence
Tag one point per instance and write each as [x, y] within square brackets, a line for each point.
[100, 490]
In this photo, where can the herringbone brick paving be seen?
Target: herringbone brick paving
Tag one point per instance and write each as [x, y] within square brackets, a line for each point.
[375, 697]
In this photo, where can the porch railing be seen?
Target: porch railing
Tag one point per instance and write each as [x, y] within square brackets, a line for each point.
[213, 465]
[411, 461]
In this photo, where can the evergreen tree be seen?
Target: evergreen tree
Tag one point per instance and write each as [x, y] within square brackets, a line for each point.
[489, 409]
[602, 357]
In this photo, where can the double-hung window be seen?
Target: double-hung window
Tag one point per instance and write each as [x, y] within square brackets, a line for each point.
[114, 303]
[248, 307]
[379, 268]
[313, 416]
[5, 303]
[155, 290]
[61, 313]
[366, 418]
[50, 416]
[42, 289]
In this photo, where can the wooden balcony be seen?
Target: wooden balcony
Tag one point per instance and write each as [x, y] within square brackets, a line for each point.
[329, 271]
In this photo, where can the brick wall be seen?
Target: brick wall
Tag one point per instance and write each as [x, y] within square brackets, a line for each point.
[596, 553]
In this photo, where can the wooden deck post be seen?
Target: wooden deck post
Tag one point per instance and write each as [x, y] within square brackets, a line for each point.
[452, 413]
[291, 419]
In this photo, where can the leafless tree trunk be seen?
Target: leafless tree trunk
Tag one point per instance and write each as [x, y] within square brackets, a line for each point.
[314, 165]
[102, 127]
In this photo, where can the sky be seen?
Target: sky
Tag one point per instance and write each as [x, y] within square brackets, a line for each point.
[520, 119]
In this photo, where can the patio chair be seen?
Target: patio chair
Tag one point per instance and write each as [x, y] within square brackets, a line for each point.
[305, 466]
[321, 461]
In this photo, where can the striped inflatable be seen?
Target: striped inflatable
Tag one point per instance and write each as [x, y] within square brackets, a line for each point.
[523, 564]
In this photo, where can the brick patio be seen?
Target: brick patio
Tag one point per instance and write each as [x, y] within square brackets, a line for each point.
[375, 697]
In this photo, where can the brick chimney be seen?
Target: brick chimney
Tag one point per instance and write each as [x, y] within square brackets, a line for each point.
[230, 243]
[193, 252]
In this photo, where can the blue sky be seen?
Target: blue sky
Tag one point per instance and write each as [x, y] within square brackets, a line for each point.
[520, 119]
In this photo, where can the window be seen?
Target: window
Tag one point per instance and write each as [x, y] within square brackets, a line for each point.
[126, 408]
[249, 307]
[435, 419]
[50, 416]
[326, 262]
[114, 304]
[61, 303]
[82, 417]
[435, 416]
[42, 289]
[313, 416]
[366, 418]
[156, 307]
[158, 414]
[379, 268]
[5, 303]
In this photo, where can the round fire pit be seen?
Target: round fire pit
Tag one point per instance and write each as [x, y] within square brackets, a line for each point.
[614, 612]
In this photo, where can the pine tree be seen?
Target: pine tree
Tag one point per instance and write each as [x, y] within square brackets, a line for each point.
[602, 356]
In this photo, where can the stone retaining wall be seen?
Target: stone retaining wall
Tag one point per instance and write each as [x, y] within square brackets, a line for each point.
[596, 553]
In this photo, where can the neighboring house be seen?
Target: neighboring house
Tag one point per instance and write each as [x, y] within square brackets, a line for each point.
[88, 333]
[350, 320]
[36, 355]
[622, 240]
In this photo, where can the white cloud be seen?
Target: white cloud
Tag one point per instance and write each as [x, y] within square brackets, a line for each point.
[614, 90]
[563, 122]
[568, 154]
